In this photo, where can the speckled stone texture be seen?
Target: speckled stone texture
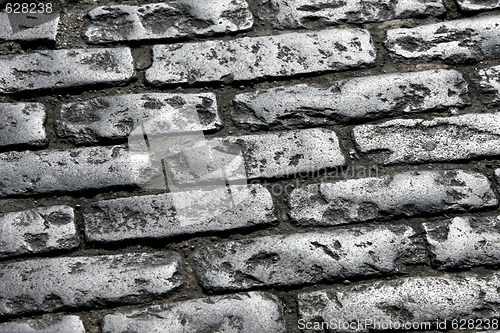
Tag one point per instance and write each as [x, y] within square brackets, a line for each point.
[477, 5]
[22, 124]
[487, 81]
[25, 27]
[61, 324]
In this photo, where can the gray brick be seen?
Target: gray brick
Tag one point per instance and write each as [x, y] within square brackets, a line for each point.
[477, 5]
[172, 20]
[178, 213]
[61, 324]
[37, 230]
[293, 14]
[25, 173]
[488, 83]
[28, 27]
[456, 42]
[285, 260]
[22, 124]
[261, 57]
[400, 302]
[391, 196]
[93, 282]
[115, 117]
[440, 139]
[65, 69]
[464, 241]
[253, 312]
[370, 97]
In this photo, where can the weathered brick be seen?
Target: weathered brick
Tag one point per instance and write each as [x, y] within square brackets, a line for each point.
[172, 20]
[37, 230]
[370, 97]
[464, 241]
[61, 324]
[26, 27]
[253, 312]
[286, 14]
[488, 83]
[401, 302]
[261, 57]
[115, 117]
[92, 282]
[26, 173]
[178, 213]
[285, 260]
[440, 139]
[456, 42]
[392, 196]
[22, 124]
[65, 68]
[477, 5]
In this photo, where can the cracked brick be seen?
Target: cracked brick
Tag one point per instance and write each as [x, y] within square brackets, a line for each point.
[370, 97]
[27, 28]
[251, 58]
[306, 258]
[487, 82]
[90, 282]
[173, 20]
[22, 125]
[60, 324]
[252, 312]
[392, 196]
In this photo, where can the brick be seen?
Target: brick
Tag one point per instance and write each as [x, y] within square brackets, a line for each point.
[307, 258]
[251, 58]
[464, 241]
[179, 213]
[477, 5]
[22, 124]
[285, 14]
[454, 138]
[91, 282]
[456, 42]
[27, 28]
[26, 173]
[392, 196]
[65, 69]
[60, 324]
[400, 302]
[339, 102]
[172, 20]
[37, 230]
[115, 117]
[488, 83]
[252, 312]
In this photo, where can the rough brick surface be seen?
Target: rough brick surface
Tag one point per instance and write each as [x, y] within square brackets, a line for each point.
[178, 213]
[25, 173]
[308, 258]
[392, 196]
[286, 14]
[172, 20]
[477, 5]
[27, 28]
[115, 117]
[37, 230]
[86, 281]
[65, 69]
[22, 124]
[408, 300]
[370, 97]
[252, 312]
[261, 57]
[456, 42]
[62, 324]
[464, 241]
[488, 84]
[440, 139]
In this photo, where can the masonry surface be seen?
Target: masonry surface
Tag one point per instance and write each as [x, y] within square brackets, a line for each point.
[358, 142]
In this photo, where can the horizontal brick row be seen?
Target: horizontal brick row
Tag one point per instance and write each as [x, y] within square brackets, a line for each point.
[47, 285]
[37, 230]
[369, 97]
[60, 324]
[26, 27]
[261, 57]
[22, 124]
[172, 20]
